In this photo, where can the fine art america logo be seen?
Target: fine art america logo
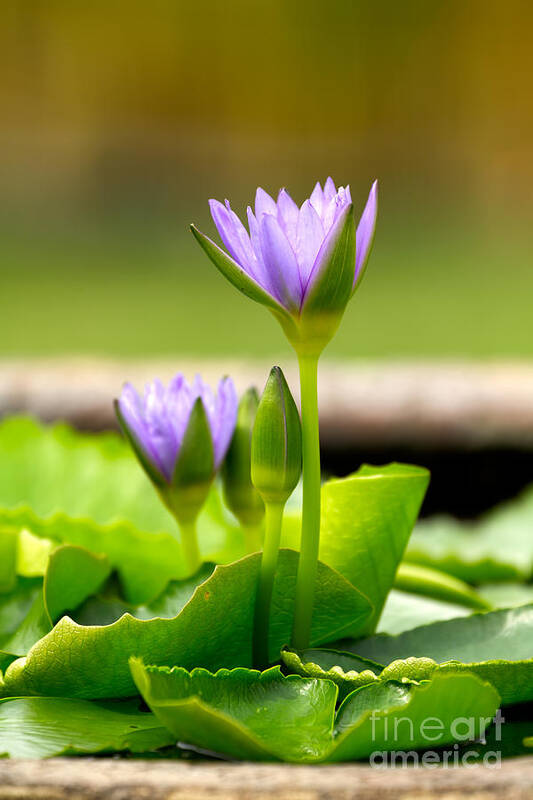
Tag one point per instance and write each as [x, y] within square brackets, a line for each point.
[409, 742]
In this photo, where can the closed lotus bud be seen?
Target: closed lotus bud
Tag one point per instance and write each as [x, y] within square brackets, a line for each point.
[276, 442]
[241, 497]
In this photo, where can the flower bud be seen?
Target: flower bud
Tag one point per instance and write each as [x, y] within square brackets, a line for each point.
[276, 441]
[239, 493]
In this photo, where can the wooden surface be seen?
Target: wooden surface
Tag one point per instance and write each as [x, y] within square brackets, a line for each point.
[442, 404]
[106, 779]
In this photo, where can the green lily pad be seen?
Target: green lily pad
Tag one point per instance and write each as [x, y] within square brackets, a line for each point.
[497, 646]
[40, 727]
[372, 511]
[241, 712]
[268, 716]
[498, 547]
[345, 670]
[107, 607]
[404, 611]
[72, 575]
[387, 715]
[213, 630]
[349, 671]
[507, 595]
[15, 605]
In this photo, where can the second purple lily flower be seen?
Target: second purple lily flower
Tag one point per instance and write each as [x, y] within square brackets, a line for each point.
[303, 263]
[180, 434]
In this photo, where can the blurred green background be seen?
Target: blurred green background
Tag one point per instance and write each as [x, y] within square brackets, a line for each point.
[120, 119]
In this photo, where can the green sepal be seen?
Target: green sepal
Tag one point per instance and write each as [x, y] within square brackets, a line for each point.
[153, 473]
[329, 291]
[194, 469]
[276, 441]
[236, 275]
[241, 497]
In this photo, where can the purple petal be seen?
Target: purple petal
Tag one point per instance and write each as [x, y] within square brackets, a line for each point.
[233, 234]
[264, 204]
[131, 408]
[310, 237]
[221, 412]
[365, 231]
[225, 411]
[261, 275]
[163, 438]
[202, 390]
[288, 216]
[324, 252]
[328, 213]
[280, 262]
[179, 403]
[329, 190]
[317, 198]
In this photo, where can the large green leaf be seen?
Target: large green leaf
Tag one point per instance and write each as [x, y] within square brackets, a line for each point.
[404, 611]
[498, 547]
[72, 575]
[40, 727]
[365, 525]
[88, 490]
[393, 716]
[213, 630]
[266, 716]
[15, 605]
[497, 646]
[107, 607]
[242, 713]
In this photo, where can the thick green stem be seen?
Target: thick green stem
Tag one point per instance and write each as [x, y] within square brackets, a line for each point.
[269, 560]
[308, 561]
[189, 544]
[253, 540]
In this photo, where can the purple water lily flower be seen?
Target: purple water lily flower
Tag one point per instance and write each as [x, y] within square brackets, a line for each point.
[286, 245]
[158, 420]
[303, 263]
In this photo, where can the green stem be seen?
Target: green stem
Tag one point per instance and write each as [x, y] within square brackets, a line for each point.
[269, 560]
[189, 544]
[253, 541]
[308, 561]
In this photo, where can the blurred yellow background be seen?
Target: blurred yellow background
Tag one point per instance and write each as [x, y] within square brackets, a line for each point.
[120, 119]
